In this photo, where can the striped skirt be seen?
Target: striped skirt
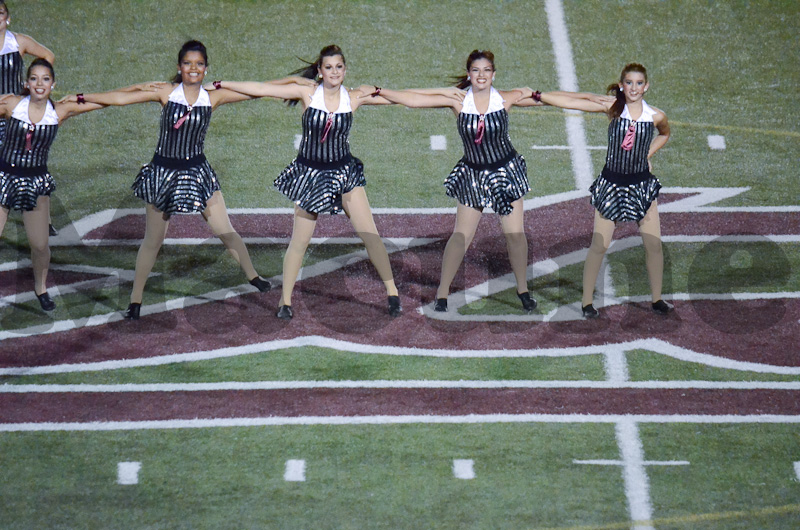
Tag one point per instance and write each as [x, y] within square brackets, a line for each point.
[176, 190]
[619, 200]
[19, 192]
[318, 187]
[489, 187]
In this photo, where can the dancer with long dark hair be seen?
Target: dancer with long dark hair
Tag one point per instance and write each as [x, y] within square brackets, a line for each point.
[179, 179]
[324, 177]
[626, 190]
[491, 174]
[25, 182]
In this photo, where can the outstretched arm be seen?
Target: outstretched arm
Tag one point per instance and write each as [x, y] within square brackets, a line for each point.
[418, 98]
[567, 100]
[123, 96]
[68, 109]
[28, 45]
[282, 89]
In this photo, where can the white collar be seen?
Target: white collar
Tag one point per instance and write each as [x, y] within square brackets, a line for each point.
[647, 113]
[10, 44]
[20, 112]
[318, 100]
[495, 102]
[203, 99]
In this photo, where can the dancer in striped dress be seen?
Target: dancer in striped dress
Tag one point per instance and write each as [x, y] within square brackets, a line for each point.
[179, 179]
[324, 177]
[14, 47]
[491, 173]
[625, 190]
[25, 181]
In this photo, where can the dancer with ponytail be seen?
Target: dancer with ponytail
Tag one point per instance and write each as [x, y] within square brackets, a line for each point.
[324, 177]
[179, 179]
[626, 190]
[491, 174]
[25, 182]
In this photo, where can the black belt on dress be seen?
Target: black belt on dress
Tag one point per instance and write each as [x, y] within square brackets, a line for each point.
[324, 166]
[494, 165]
[21, 170]
[625, 179]
[178, 163]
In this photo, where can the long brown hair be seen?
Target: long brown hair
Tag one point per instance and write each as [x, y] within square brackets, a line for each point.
[311, 69]
[613, 89]
[462, 81]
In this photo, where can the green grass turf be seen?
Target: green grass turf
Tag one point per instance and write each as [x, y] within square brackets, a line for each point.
[396, 477]
[321, 364]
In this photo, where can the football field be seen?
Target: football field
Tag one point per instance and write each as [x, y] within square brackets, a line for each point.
[209, 412]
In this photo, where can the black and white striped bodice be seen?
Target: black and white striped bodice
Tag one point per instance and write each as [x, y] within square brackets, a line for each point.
[635, 160]
[496, 143]
[11, 73]
[188, 140]
[14, 151]
[11, 66]
[337, 142]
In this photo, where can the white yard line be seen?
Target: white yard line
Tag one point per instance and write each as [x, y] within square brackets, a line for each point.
[397, 420]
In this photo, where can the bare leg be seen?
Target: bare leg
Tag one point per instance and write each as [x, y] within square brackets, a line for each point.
[601, 239]
[650, 229]
[517, 245]
[154, 233]
[466, 223]
[216, 215]
[356, 206]
[37, 222]
[302, 230]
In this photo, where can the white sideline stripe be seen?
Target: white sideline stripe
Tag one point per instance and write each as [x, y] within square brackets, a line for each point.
[395, 420]
[651, 344]
[565, 147]
[9, 388]
[128, 472]
[463, 469]
[619, 462]
[716, 142]
[797, 470]
[637, 485]
[438, 142]
[568, 81]
[14, 265]
[295, 471]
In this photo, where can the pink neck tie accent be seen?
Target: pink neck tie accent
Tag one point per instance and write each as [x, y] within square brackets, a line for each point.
[479, 132]
[630, 136]
[29, 138]
[328, 125]
[182, 118]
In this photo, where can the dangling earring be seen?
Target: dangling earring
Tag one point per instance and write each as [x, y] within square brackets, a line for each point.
[469, 78]
[492, 77]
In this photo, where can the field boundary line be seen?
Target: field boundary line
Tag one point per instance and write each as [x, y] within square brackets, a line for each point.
[397, 420]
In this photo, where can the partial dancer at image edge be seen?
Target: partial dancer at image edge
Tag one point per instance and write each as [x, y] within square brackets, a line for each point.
[25, 181]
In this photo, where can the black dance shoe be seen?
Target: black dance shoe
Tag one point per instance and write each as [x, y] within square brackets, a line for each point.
[394, 306]
[46, 302]
[589, 311]
[261, 284]
[440, 305]
[52, 230]
[285, 312]
[528, 303]
[662, 308]
[132, 313]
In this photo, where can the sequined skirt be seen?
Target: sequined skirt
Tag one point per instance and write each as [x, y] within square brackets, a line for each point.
[618, 201]
[318, 188]
[176, 190]
[496, 188]
[19, 192]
